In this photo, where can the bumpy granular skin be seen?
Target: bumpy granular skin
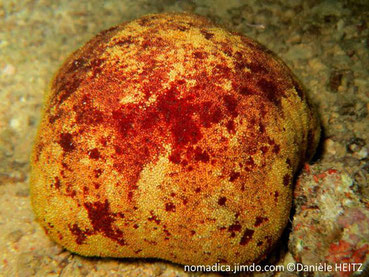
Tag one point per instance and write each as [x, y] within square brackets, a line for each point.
[172, 138]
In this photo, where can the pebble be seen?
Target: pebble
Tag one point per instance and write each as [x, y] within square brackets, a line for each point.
[15, 236]
[362, 154]
[300, 51]
[8, 70]
[334, 148]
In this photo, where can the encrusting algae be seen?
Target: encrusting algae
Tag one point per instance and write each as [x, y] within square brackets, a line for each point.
[172, 138]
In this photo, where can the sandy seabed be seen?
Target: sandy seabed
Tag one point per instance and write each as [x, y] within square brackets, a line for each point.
[324, 42]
